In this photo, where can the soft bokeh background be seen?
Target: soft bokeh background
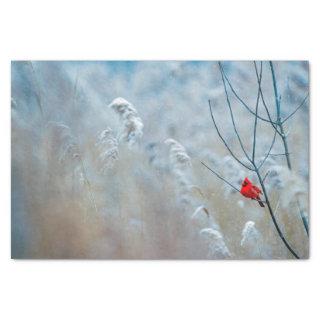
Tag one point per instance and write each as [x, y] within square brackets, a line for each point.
[134, 209]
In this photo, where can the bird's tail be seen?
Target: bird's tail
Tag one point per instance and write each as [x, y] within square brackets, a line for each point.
[260, 202]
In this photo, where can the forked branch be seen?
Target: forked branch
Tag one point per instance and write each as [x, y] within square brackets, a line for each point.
[255, 167]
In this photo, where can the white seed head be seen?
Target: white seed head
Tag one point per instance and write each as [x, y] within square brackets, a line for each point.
[108, 150]
[180, 161]
[288, 184]
[132, 126]
[217, 246]
[178, 154]
[249, 234]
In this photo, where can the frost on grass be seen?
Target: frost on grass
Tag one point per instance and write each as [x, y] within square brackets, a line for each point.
[61, 144]
[178, 154]
[68, 164]
[107, 145]
[288, 185]
[201, 218]
[131, 130]
[180, 164]
[217, 246]
[251, 240]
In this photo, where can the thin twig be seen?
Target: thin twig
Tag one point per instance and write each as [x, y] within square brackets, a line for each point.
[303, 217]
[273, 123]
[277, 207]
[220, 177]
[268, 153]
[232, 117]
[224, 142]
[240, 99]
[226, 181]
[263, 180]
[277, 101]
[301, 104]
[256, 118]
[255, 168]
[278, 154]
[284, 137]
[273, 217]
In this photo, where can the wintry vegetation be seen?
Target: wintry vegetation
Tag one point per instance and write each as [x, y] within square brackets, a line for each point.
[146, 160]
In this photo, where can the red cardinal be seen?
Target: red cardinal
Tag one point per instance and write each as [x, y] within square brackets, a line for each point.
[251, 191]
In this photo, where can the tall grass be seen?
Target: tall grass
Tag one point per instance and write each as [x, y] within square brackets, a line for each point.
[95, 176]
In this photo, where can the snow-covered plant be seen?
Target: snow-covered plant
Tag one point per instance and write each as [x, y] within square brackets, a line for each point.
[107, 145]
[178, 154]
[251, 239]
[64, 148]
[289, 185]
[249, 233]
[61, 143]
[180, 162]
[131, 124]
[216, 243]
[202, 219]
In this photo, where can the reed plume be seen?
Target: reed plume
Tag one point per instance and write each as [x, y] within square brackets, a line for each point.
[107, 145]
[131, 130]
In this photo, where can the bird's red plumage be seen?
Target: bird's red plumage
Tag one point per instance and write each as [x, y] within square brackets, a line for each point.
[251, 191]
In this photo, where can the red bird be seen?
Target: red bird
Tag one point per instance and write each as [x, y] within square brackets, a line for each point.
[251, 191]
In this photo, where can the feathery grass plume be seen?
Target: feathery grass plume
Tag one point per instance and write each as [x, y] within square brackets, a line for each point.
[202, 218]
[290, 186]
[132, 126]
[64, 148]
[217, 246]
[249, 233]
[209, 231]
[107, 145]
[61, 143]
[251, 239]
[180, 162]
[178, 154]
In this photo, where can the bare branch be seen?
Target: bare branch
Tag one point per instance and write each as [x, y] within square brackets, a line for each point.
[241, 100]
[284, 137]
[273, 217]
[255, 168]
[304, 218]
[256, 118]
[220, 177]
[277, 101]
[273, 123]
[232, 117]
[301, 104]
[277, 207]
[224, 142]
[278, 154]
[227, 182]
[265, 177]
[275, 89]
[268, 153]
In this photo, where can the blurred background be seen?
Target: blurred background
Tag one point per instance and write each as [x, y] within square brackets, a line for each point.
[91, 182]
